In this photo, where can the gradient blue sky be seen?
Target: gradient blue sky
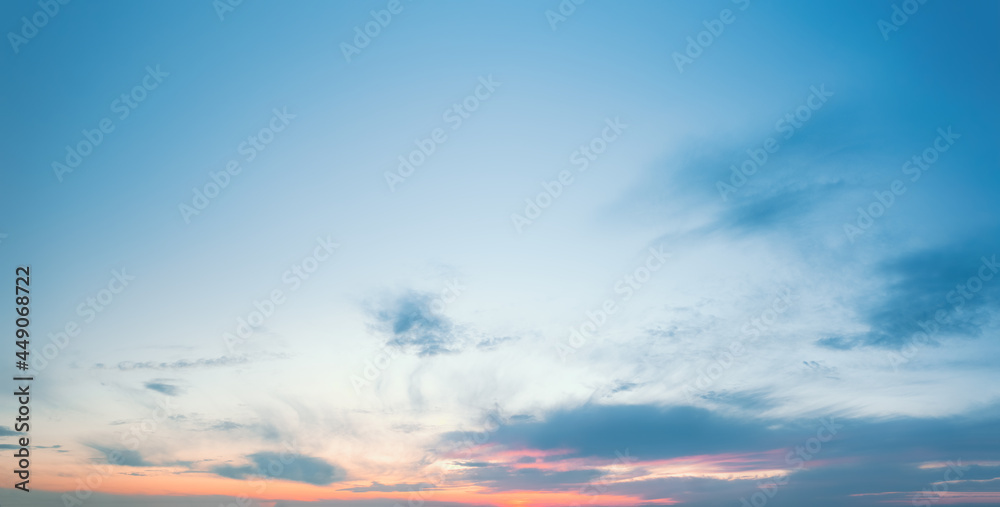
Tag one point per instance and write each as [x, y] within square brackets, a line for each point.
[654, 380]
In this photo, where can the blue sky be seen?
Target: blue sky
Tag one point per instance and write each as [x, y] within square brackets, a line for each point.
[721, 317]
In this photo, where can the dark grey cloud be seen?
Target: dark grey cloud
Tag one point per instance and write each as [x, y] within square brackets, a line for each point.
[652, 432]
[601, 430]
[121, 457]
[864, 457]
[506, 478]
[520, 418]
[789, 191]
[923, 283]
[856, 485]
[290, 467]
[779, 207]
[411, 325]
[163, 387]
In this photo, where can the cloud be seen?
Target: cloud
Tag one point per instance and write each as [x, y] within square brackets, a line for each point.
[493, 342]
[865, 456]
[391, 488]
[506, 478]
[755, 401]
[226, 426]
[42, 498]
[122, 457]
[852, 485]
[921, 284]
[177, 365]
[778, 208]
[161, 387]
[474, 464]
[289, 467]
[407, 427]
[6, 431]
[698, 186]
[653, 432]
[412, 325]
[601, 430]
[265, 431]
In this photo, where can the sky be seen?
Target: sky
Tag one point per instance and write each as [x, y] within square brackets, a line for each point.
[549, 253]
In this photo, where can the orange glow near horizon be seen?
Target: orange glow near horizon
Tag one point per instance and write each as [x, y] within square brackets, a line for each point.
[177, 481]
[172, 483]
